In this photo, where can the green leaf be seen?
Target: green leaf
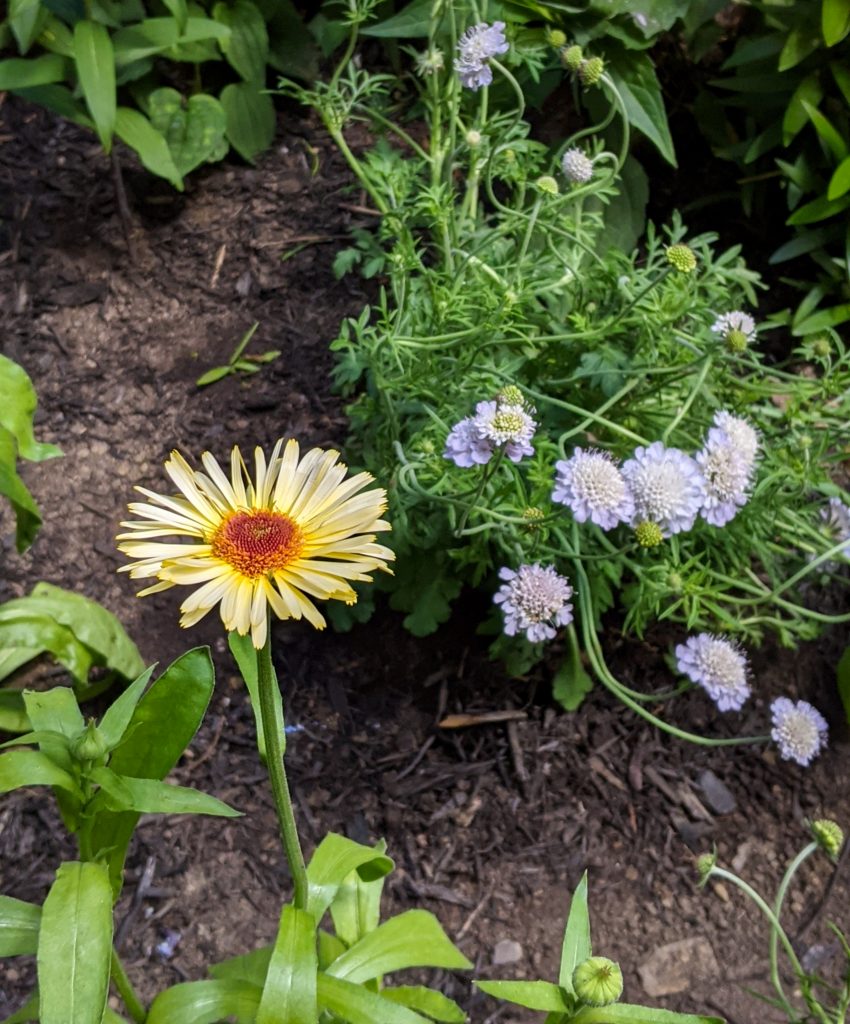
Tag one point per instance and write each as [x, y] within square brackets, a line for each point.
[26, 18]
[152, 796]
[843, 674]
[634, 75]
[358, 1005]
[250, 118]
[412, 939]
[801, 41]
[624, 1013]
[20, 768]
[19, 924]
[134, 129]
[117, 717]
[426, 1000]
[835, 20]
[356, 908]
[95, 61]
[805, 241]
[245, 655]
[55, 713]
[576, 947]
[145, 39]
[289, 993]
[827, 132]
[180, 10]
[13, 716]
[625, 215]
[205, 1002]
[60, 100]
[412, 22]
[162, 726]
[292, 48]
[17, 73]
[27, 516]
[210, 377]
[839, 183]
[535, 995]
[333, 860]
[822, 320]
[194, 132]
[818, 209]
[17, 405]
[251, 967]
[796, 117]
[571, 684]
[44, 634]
[75, 946]
[247, 48]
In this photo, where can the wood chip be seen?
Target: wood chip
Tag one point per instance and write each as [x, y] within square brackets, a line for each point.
[485, 718]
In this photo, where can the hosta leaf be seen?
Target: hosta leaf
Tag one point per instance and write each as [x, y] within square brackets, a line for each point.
[250, 119]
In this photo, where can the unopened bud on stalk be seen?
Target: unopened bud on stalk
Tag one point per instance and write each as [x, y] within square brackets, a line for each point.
[736, 341]
[548, 185]
[648, 535]
[571, 58]
[90, 744]
[598, 981]
[705, 865]
[590, 71]
[828, 835]
[473, 138]
[510, 394]
[675, 582]
[821, 346]
[556, 37]
[682, 258]
[533, 516]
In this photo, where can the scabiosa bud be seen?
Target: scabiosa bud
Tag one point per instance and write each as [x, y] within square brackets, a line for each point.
[667, 487]
[705, 865]
[473, 138]
[718, 666]
[466, 447]
[821, 346]
[577, 166]
[590, 71]
[535, 599]
[799, 730]
[532, 518]
[548, 185]
[571, 58]
[510, 425]
[556, 37]
[430, 62]
[591, 485]
[510, 394]
[475, 48]
[736, 329]
[727, 471]
[682, 258]
[598, 981]
[828, 835]
[648, 535]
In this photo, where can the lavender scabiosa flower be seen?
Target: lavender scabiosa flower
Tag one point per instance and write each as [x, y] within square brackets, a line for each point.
[718, 666]
[577, 166]
[534, 599]
[741, 432]
[799, 730]
[506, 423]
[727, 470]
[591, 485]
[667, 487]
[475, 48]
[737, 329]
[466, 447]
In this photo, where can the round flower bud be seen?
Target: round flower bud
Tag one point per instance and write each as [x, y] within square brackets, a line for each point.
[90, 745]
[598, 981]
[430, 62]
[548, 185]
[705, 865]
[532, 517]
[675, 582]
[682, 258]
[648, 535]
[736, 341]
[571, 58]
[828, 836]
[510, 394]
[590, 71]
[556, 37]
[821, 346]
[473, 138]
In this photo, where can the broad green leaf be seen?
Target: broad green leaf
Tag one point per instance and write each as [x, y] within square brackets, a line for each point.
[75, 946]
[576, 947]
[796, 118]
[17, 629]
[247, 48]
[625, 214]
[60, 100]
[333, 860]
[26, 18]
[30, 738]
[117, 717]
[839, 183]
[19, 73]
[27, 516]
[535, 995]
[356, 908]
[250, 119]
[801, 41]
[805, 241]
[152, 796]
[27, 1014]
[411, 22]
[289, 993]
[571, 684]
[205, 1002]
[818, 209]
[54, 711]
[245, 656]
[57, 37]
[70, 11]
[823, 319]
[835, 20]
[330, 947]
[426, 1000]
[841, 74]
[146, 39]
[13, 715]
[134, 129]
[194, 132]
[17, 406]
[180, 10]
[19, 924]
[843, 673]
[827, 132]
[750, 51]
[162, 726]
[358, 1005]
[251, 967]
[623, 1013]
[20, 768]
[292, 48]
[95, 62]
[412, 939]
[634, 75]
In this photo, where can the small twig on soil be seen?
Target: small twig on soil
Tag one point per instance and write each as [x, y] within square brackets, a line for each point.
[354, 208]
[219, 263]
[123, 205]
[423, 750]
[517, 755]
[471, 918]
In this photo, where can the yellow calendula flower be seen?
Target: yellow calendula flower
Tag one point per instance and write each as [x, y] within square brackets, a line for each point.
[298, 530]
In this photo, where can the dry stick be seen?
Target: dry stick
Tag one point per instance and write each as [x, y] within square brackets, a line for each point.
[123, 205]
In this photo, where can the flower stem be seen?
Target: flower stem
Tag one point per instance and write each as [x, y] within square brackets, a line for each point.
[135, 1007]
[275, 742]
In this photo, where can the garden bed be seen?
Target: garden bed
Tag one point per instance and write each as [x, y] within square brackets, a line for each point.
[490, 825]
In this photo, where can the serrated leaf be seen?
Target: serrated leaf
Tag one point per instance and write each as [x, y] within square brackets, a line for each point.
[136, 131]
[205, 1002]
[95, 62]
[289, 992]
[576, 946]
[247, 47]
[19, 73]
[250, 118]
[19, 924]
[534, 995]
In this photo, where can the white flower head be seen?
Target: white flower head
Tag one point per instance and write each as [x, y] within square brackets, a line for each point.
[577, 166]
[836, 516]
[718, 666]
[535, 600]
[737, 321]
[667, 487]
[466, 447]
[741, 433]
[506, 423]
[799, 730]
[728, 474]
[591, 485]
[475, 48]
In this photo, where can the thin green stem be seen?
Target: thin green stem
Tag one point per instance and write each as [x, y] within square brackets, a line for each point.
[275, 741]
[135, 1007]
[791, 870]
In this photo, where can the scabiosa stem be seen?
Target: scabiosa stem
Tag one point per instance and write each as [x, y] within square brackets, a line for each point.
[790, 871]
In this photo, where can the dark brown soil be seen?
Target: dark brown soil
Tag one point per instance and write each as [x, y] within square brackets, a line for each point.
[490, 826]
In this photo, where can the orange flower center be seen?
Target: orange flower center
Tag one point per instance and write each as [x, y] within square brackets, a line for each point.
[258, 542]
